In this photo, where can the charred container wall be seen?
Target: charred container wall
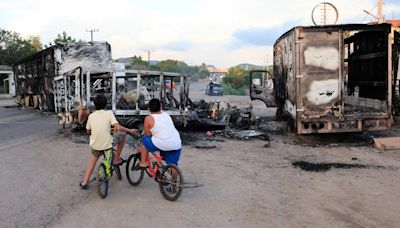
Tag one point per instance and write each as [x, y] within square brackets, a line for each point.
[34, 74]
[336, 78]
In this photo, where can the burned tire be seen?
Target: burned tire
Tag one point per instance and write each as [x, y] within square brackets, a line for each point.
[291, 125]
[133, 174]
[50, 102]
[171, 182]
[101, 181]
[280, 114]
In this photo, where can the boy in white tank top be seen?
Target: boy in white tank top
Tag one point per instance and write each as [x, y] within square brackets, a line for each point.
[160, 135]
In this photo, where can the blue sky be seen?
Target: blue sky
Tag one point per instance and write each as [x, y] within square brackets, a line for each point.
[219, 32]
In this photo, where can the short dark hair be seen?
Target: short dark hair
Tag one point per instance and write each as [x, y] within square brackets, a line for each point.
[154, 105]
[100, 101]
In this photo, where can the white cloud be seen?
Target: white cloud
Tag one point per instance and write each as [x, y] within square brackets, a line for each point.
[132, 27]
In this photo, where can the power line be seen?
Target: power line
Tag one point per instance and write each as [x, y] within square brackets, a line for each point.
[369, 11]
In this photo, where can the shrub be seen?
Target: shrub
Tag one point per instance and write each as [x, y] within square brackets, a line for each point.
[229, 90]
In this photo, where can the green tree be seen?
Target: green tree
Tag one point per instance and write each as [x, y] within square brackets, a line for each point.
[137, 63]
[13, 47]
[169, 65]
[35, 41]
[203, 71]
[236, 77]
[63, 38]
[138, 60]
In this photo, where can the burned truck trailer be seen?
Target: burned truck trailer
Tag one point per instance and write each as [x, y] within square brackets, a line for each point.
[337, 78]
[36, 74]
[63, 78]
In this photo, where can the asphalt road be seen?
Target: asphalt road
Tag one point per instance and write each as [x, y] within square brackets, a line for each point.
[22, 126]
[244, 183]
[41, 166]
[33, 168]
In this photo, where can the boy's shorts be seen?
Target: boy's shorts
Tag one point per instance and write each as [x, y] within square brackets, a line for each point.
[117, 138]
[98, 153]
[170, 157]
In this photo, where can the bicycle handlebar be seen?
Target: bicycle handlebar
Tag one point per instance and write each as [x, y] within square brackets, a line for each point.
[138, 132]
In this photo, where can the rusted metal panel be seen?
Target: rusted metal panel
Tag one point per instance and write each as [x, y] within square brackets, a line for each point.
[285, 73]
[319, 65]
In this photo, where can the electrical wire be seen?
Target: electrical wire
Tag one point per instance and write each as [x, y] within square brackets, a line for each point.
[376, 4]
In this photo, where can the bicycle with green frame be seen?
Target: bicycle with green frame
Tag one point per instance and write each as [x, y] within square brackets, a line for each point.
[104, 172]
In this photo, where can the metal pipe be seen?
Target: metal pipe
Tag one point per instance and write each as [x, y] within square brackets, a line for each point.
[114, 91]
[138, 91]
[65, 94]
[162, 84]
[87, 89]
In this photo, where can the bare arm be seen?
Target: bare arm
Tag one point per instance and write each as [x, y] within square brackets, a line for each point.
[118, 127]
[148, 124]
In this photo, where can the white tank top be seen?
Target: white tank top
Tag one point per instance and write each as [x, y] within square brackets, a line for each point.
[164, 134]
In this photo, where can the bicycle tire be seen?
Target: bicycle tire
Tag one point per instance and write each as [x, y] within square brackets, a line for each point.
[171, 188]
[134, 176]
[101, 181]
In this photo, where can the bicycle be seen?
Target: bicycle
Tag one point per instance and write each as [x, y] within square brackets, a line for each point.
[169, 177]
[104, 172]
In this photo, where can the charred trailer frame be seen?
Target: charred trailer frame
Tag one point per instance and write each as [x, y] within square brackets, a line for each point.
[336, 78]
[132, 91]
[33, 78]
[64, 78]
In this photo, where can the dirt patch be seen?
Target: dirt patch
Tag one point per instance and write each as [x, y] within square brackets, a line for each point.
[323, 167]
[333, 140]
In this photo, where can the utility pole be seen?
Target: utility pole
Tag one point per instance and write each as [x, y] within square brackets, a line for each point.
[91, 33]
[380, 3]
[148, 59]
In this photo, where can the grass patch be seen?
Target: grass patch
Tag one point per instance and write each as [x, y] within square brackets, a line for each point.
[229, 90]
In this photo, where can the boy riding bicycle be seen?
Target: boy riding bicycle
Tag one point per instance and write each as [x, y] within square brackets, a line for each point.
[161, 135]
[99, 127]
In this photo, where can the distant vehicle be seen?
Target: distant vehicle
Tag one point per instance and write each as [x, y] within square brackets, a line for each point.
[214, 89]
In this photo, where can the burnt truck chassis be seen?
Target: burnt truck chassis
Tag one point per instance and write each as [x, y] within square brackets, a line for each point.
[173, 91]
[74, 99]
[129, 94]
[66, 77]
[156, 84]
[338, 78]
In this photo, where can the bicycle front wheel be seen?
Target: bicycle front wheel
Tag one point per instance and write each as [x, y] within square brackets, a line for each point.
[134, 173]
[101, 181]
[171, 182]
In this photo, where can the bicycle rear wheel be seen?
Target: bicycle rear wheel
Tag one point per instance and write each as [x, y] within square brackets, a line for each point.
[134, 174]
[101, 181]
[171, 182]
